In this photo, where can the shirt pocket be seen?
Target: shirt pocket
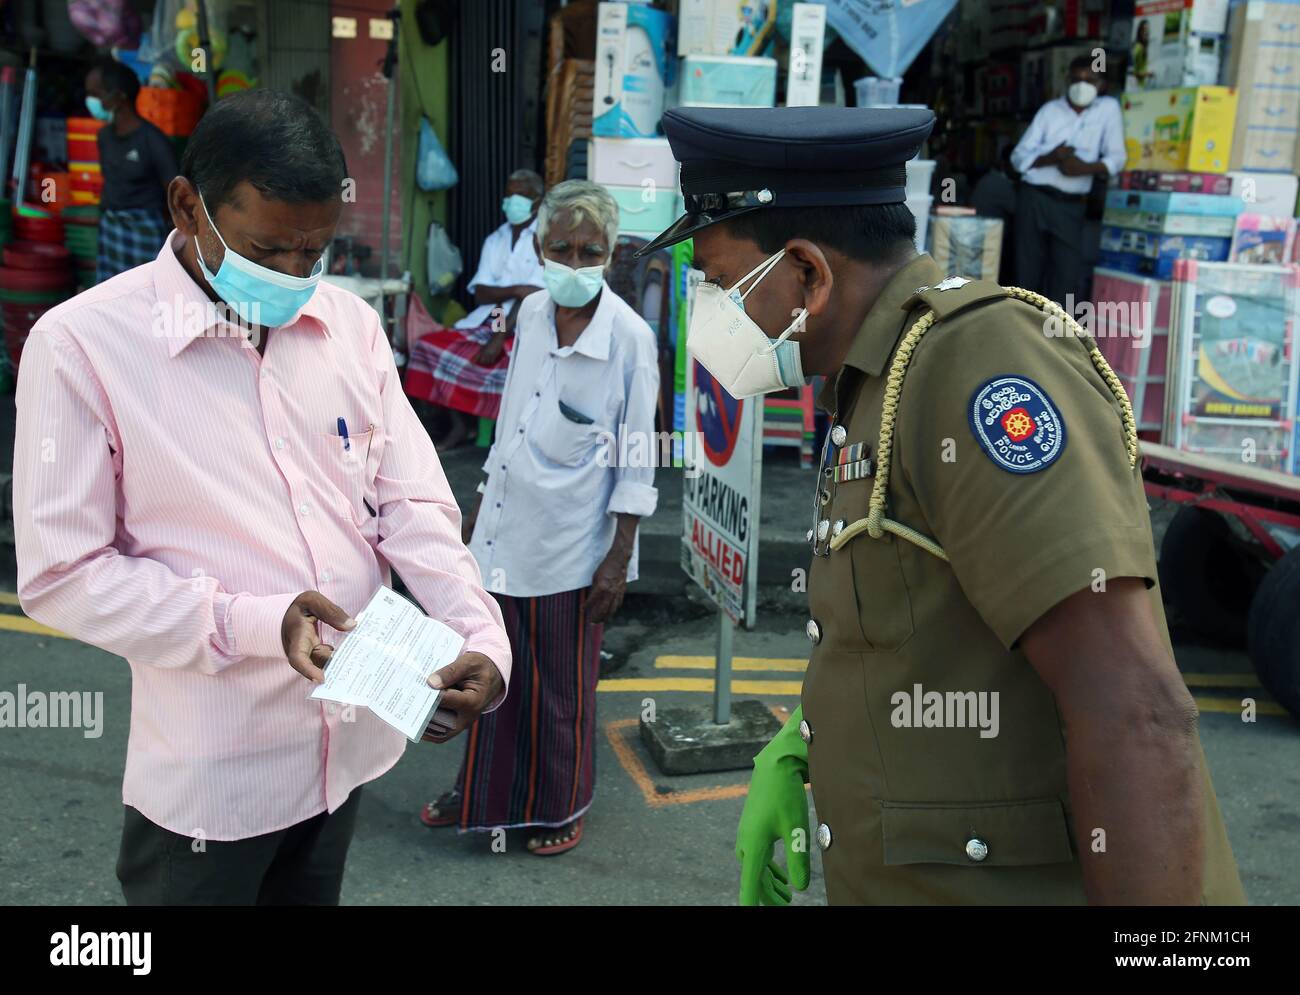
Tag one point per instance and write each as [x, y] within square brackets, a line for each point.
[565, 441]
[348, 476]
[874, 569]
[1006, 834]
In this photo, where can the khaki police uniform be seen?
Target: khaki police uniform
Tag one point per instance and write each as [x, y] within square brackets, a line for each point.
[1011, 482]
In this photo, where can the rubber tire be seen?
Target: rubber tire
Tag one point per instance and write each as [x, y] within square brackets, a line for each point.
[1206, 577]
[1274, 632]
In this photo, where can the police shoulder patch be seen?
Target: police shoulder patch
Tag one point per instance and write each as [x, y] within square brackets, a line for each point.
[1017, 424]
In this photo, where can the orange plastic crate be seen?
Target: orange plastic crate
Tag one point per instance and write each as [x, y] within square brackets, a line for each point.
[174, 112]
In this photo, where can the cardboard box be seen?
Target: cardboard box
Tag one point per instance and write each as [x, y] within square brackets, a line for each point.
[803, 85]
[1270, 194]
[1207, 183]
[1151, 254]
[728, 81]
[707, 27]
[1176, 43]
[1167, 202]
[1183, 129]
[1207, 225]
[1261, 239]
[635, 66]
[1264, 65]
[964, 245]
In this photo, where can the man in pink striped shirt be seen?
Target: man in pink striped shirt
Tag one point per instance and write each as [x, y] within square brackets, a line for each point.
[215, 466]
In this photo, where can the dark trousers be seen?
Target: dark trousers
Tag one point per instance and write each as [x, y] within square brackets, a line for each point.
[1050, 236]
[300, 865]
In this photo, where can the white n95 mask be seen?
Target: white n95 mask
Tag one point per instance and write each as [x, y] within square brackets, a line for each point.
[729, 344]
[1081, 93]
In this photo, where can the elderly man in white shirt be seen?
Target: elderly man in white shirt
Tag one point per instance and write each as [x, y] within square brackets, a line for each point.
[555, 530]
[1072, 140]
[463, 368]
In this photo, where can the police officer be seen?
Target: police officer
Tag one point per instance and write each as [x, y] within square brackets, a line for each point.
[992, 712]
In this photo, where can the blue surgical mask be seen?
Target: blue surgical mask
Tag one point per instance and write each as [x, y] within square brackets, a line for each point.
[572, 287]
[518, 209]
[97, 109]
[260, 296]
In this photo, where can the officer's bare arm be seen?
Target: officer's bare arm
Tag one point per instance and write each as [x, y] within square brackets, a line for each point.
[1132, 760]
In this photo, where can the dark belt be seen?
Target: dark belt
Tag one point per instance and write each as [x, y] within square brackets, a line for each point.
[1055, 194]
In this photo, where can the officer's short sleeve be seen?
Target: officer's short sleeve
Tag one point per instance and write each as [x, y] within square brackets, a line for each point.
[1013, 447]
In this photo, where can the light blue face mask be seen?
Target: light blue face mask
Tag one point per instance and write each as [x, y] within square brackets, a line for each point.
[97, 109]
[517, 208]
[260, 296]
[789, 361]
[572, 287]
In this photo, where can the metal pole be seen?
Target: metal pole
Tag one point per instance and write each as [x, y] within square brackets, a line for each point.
[722, 673]
[389, 70]
[205, 43]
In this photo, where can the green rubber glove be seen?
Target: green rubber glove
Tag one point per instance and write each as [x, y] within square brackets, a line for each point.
[776, 809]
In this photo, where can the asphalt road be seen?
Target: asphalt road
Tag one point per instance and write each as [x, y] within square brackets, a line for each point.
[650, 839]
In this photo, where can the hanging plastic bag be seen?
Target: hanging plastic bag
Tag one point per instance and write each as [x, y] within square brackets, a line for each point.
[433, 169]
[444, 263]
[887, 34]
[105, 22]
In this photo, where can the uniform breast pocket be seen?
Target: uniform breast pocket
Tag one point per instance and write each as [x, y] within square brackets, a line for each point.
[348, 474]
[569, 440]
[884, 604]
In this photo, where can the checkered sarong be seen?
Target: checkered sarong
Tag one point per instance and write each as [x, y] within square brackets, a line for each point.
[127, 239]
[442, 370]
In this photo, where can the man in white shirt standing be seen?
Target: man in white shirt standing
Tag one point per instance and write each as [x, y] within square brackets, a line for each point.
[569, 477]
[1072, 140]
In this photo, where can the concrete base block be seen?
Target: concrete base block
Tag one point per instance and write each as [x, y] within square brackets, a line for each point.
[685, 740]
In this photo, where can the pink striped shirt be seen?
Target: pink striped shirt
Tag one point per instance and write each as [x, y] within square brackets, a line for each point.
[174, 492]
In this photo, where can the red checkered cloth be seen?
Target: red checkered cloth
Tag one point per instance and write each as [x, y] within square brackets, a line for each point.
[442, 369]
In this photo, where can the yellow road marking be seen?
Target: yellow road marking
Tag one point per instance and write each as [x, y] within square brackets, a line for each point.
[21, 623]
[9, 598]
[1242, 680]
[697, 684]
[737, 663]
[617, 732]
[1233, 706]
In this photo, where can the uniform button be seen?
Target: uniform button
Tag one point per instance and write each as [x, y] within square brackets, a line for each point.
[824, 497]
[332, 708]
[976, 849]
[813, 630]
[809, 535]
[838, 435]
[805, 731]
[326, 576]
[838, 527]
[303, 509]
[279, 443]
[824, 836]
[823, 529]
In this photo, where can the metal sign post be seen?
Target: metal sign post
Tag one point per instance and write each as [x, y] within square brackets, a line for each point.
[722, 672]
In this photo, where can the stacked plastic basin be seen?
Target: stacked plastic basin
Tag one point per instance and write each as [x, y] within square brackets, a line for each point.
[85, 179]
[35, 274]
[81, 237]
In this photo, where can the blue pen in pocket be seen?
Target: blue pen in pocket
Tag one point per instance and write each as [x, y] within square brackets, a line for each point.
[343, 434]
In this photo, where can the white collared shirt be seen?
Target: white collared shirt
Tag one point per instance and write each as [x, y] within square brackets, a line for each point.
[502, 264]
[1096, 135]
[555, 484]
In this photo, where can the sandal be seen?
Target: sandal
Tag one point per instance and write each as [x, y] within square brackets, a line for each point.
[554, 842]
[440, 813]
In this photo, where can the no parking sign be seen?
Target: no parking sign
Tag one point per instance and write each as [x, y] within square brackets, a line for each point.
[720, 498]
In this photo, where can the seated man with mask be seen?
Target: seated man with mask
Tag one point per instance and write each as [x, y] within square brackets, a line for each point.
[463, 369]
[237, 468]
